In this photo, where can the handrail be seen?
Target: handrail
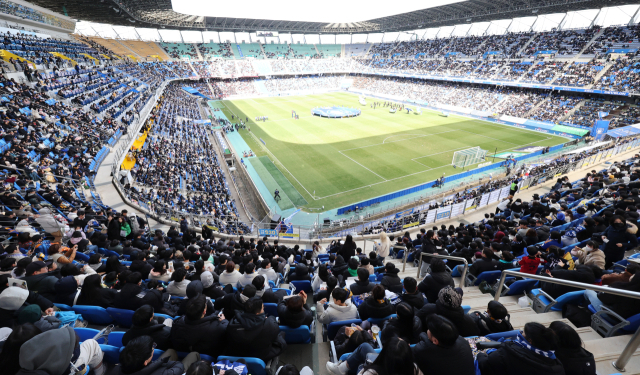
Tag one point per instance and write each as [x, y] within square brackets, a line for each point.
[620, 363]
[464, 271]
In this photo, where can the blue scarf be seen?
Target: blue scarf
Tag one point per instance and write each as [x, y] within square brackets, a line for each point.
[520, 340]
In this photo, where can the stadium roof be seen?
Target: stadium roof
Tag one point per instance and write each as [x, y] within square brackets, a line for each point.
[160, 14]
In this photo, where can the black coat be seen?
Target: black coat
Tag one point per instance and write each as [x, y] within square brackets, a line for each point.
[141, 266]
[628, 240]
[414, 300]
[625, 307]
[439, 360]
[230, 304]
[391, 282]
[511, 358]
[133, 296]
[433, 282]
[361, 287]
[258, 335]
[161, 366]
[113, 230]
[486, 325]
[294, 319]
[463, 322]
[483, 264]
[104, 298]
[410, 334]
[581, 274]
[577, 361]
[370, 308]
[9, 318]
[159, 332]
[205, 335]
[347, 251]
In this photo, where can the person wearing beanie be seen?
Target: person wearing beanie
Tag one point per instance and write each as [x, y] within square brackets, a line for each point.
[211, 289]
[39, 280]
[14, 298]
[33, 314]
[449, 306]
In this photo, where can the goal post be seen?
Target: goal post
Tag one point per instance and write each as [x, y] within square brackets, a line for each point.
[470, 156]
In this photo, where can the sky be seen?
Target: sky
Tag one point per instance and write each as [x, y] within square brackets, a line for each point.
[327, 11]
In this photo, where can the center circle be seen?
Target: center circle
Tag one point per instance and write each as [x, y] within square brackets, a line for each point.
[335, 112]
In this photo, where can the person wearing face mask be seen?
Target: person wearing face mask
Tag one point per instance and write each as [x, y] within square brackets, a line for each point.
[590, 254]
[618, 237]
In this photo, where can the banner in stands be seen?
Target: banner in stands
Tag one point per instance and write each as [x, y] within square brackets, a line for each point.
[443, 213]
[600, 129]
[404, 213]
[457, 209]
[431, 216]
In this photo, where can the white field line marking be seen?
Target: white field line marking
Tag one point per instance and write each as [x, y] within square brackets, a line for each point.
[362, 166]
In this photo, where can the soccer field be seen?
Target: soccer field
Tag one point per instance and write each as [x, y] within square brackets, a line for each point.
[319, 162]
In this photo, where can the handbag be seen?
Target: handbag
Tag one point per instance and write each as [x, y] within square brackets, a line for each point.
[123, 233]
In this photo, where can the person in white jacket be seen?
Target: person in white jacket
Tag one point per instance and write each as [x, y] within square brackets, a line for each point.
[267, 271]
[230, 275]
[340, 309]
[50, 225]
[249, 275]
[383, 247]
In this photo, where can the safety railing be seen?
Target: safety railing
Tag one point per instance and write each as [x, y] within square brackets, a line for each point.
[620, 363]
[463, 274]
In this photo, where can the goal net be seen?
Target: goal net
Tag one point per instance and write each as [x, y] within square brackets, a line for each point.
[468, 157]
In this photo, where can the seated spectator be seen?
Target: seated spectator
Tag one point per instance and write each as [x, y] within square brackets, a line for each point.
[14, 298]
[376, 305]
[531, 353]
[390, 281]
[332, 283]
[494, 320]
[137, 359]
[575, 359]
[620, 236]
[366, 264]
[300, 272]
[293, 312]
[132, 296]
[93, 294]
[625, 276]
[449, 306]
[197, 332]
[62, 255]
[247, 277]
[362, 284]
[194, 289]
[352, 269]
[231, 303]
[395, 356]
[339, 309]
[437, 279]
[145, 324]
[39, 280]
[267, 271]
[253, 332]
[581, 274]
[32, 314]
[442, 351]
[348, 339]
[211, 289]
[486, 263]
[10, 354]
[320, 277]
[405, 325]
[230, 276]
[590, 254]
[339, 267]
[160, 272]
[623, 306]
[179, 283]
[529, 264]
[412, 295]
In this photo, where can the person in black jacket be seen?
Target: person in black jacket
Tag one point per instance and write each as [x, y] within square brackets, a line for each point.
[406, 325]
[194, 289]
[137, 359]
[232, 303]
[376, 305]
[293, 312]
[582, 274]
[529, 354]
[390, 280]
[339, 267]
[486, 263]
[300, 272]
[575, 359]
[362, 284]
[251, 333]
[93, 294]
[494, 320]
[197, 332]
[132, 296]
[442, 351]
[449, 306]
[144, 324]
[619, 237]
[623, 306]
[348, 249]
[139, 264]
[14, 298]
[412, 295]
[332, 283]
[436, 280]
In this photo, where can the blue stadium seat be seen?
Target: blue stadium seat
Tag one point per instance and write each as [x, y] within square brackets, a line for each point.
[88, 334]
[300, 335]
[302, 285]
[94, 314]
[124, 318]
[380, 321]
[255, 366]
[115, 339]
[111, 354]
[329, 331]
[543, 302]
[271, 309]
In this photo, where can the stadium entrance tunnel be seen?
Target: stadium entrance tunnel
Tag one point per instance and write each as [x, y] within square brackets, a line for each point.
[335, 112]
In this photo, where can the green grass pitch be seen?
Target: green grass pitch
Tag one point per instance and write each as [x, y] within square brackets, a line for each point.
[336, 162]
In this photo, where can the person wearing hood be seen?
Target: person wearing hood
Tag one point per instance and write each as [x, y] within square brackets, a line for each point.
[232, 303]
[293, 312]
[449, 306]
[300, 272]
[390, 280]
[39, 280]
[253, 333]
[559, 220]
[590, 254]
[340, 309]
[340, 266]
[13, 299]
[194, 289]
[412, 295]
[50, 225]
[376, 305]
[137, 359]
[438, 278]
[362, 284]
[532, 352]
[195, 331]
[145, 324]
[618, 238]
[210, 288]
[179, 283]
[54, 351]
[133, 295]
[575, 359]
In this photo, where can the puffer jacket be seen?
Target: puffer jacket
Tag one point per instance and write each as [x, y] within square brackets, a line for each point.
[335, 313]
[627, 237]
[595, 257]
[256, 334]
[48, 222]
[294, 319]
[370, 308]
[433, 282]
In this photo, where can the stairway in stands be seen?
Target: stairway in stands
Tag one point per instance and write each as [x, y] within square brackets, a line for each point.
[605, 350]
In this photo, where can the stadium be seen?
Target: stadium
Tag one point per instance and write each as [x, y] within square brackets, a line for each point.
[199, 188]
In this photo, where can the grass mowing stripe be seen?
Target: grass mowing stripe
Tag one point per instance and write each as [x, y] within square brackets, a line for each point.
[281, 180]
[271, 184]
